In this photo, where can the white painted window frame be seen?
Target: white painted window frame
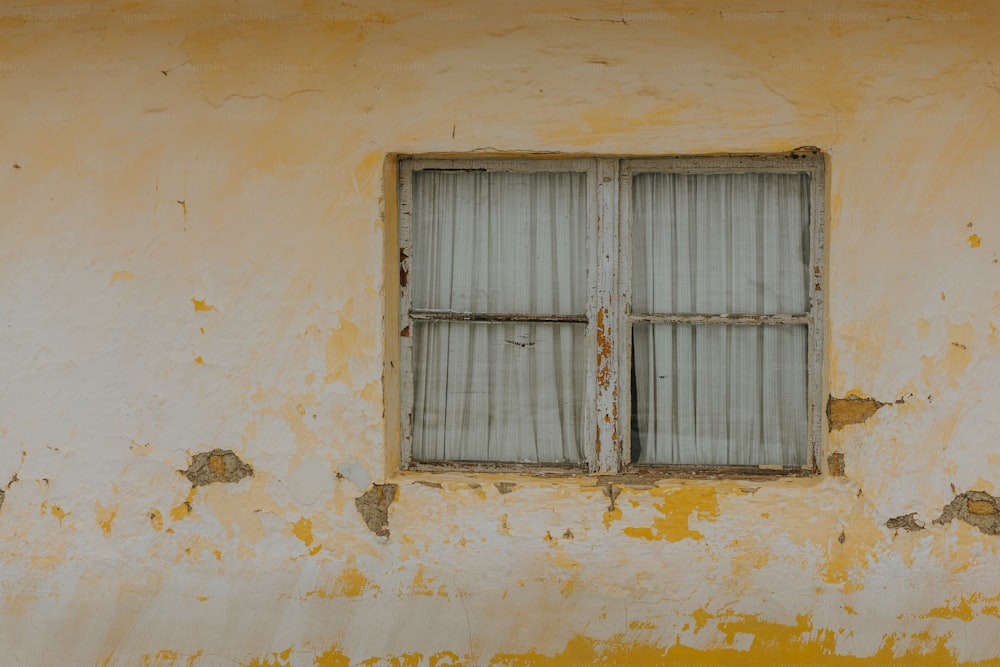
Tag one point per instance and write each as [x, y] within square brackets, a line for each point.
[608, 317]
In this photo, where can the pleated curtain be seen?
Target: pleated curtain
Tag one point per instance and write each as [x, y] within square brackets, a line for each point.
[499, 243]
[711, 244]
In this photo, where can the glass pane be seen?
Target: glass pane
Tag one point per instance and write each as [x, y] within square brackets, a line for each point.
[510, 392]
[720, 394]
[720, 243]
[492, 242]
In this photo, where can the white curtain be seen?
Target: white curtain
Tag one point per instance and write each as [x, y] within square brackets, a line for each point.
[711, 244]
[500, 243]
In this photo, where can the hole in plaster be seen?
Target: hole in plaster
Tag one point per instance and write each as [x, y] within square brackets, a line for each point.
[835, 462]
[976, 508]
[841, 412]
[218, 465]
[907, 522]
[373, 506]
[504, 487]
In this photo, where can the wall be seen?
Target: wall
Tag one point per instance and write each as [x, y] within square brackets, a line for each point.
[192, 264]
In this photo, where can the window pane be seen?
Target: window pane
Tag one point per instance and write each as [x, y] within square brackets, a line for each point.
[498, 392]
[720, 243]
[500, 242]
[720, 394]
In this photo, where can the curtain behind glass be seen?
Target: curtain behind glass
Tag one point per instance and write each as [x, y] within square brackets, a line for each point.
[720, 243]
[716, 244]
[509, 243]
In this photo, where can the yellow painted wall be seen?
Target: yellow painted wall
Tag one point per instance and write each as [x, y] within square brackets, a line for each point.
[191, 258]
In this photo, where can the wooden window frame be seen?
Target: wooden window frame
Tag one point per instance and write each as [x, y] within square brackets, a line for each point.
[609, 319]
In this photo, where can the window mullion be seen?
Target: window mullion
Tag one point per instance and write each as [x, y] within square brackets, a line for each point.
[406, 322]
[606, 321]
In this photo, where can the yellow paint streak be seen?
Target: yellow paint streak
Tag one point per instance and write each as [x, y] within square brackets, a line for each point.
[269, 662]
[568, 587]
[168, 658]
[422, 586]
[120, 276]
[846, 562]
[105, 516]
[342, 345]
[202, 306]
[612, 515]
[352, 582]
[438, 660]
[164, 657]
[239, 511]
[963, 610]
[700, 619]
[678, 505]
[974, 241]
[773, 643]
[198, 360]
[404, 660]
[58, 513]
[641, 625]
[181, 512]
[332, 657]
[302, 529]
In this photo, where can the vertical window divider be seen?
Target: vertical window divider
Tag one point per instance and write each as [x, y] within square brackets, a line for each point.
[815, 364]
[606, 321]
[405, 321]
[625, 300]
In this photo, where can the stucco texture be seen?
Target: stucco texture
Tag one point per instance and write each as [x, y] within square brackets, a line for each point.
[193, 262]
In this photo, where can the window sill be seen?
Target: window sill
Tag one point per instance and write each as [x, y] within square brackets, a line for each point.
[634, 475]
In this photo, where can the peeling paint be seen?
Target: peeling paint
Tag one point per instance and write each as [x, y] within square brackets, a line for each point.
[678, 507]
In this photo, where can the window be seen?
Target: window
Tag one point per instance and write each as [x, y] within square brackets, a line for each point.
[612, 315]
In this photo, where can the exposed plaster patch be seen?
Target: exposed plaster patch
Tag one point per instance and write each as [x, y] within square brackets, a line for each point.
[976, 508]
[841, 412]
[433, 485]
[218, 465]
[373, 506]
[851, 410]
[835, 462]
[504, 487]
[907, 522]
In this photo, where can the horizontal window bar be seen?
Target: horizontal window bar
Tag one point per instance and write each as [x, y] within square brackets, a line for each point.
[492, 317]
[722, 319]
